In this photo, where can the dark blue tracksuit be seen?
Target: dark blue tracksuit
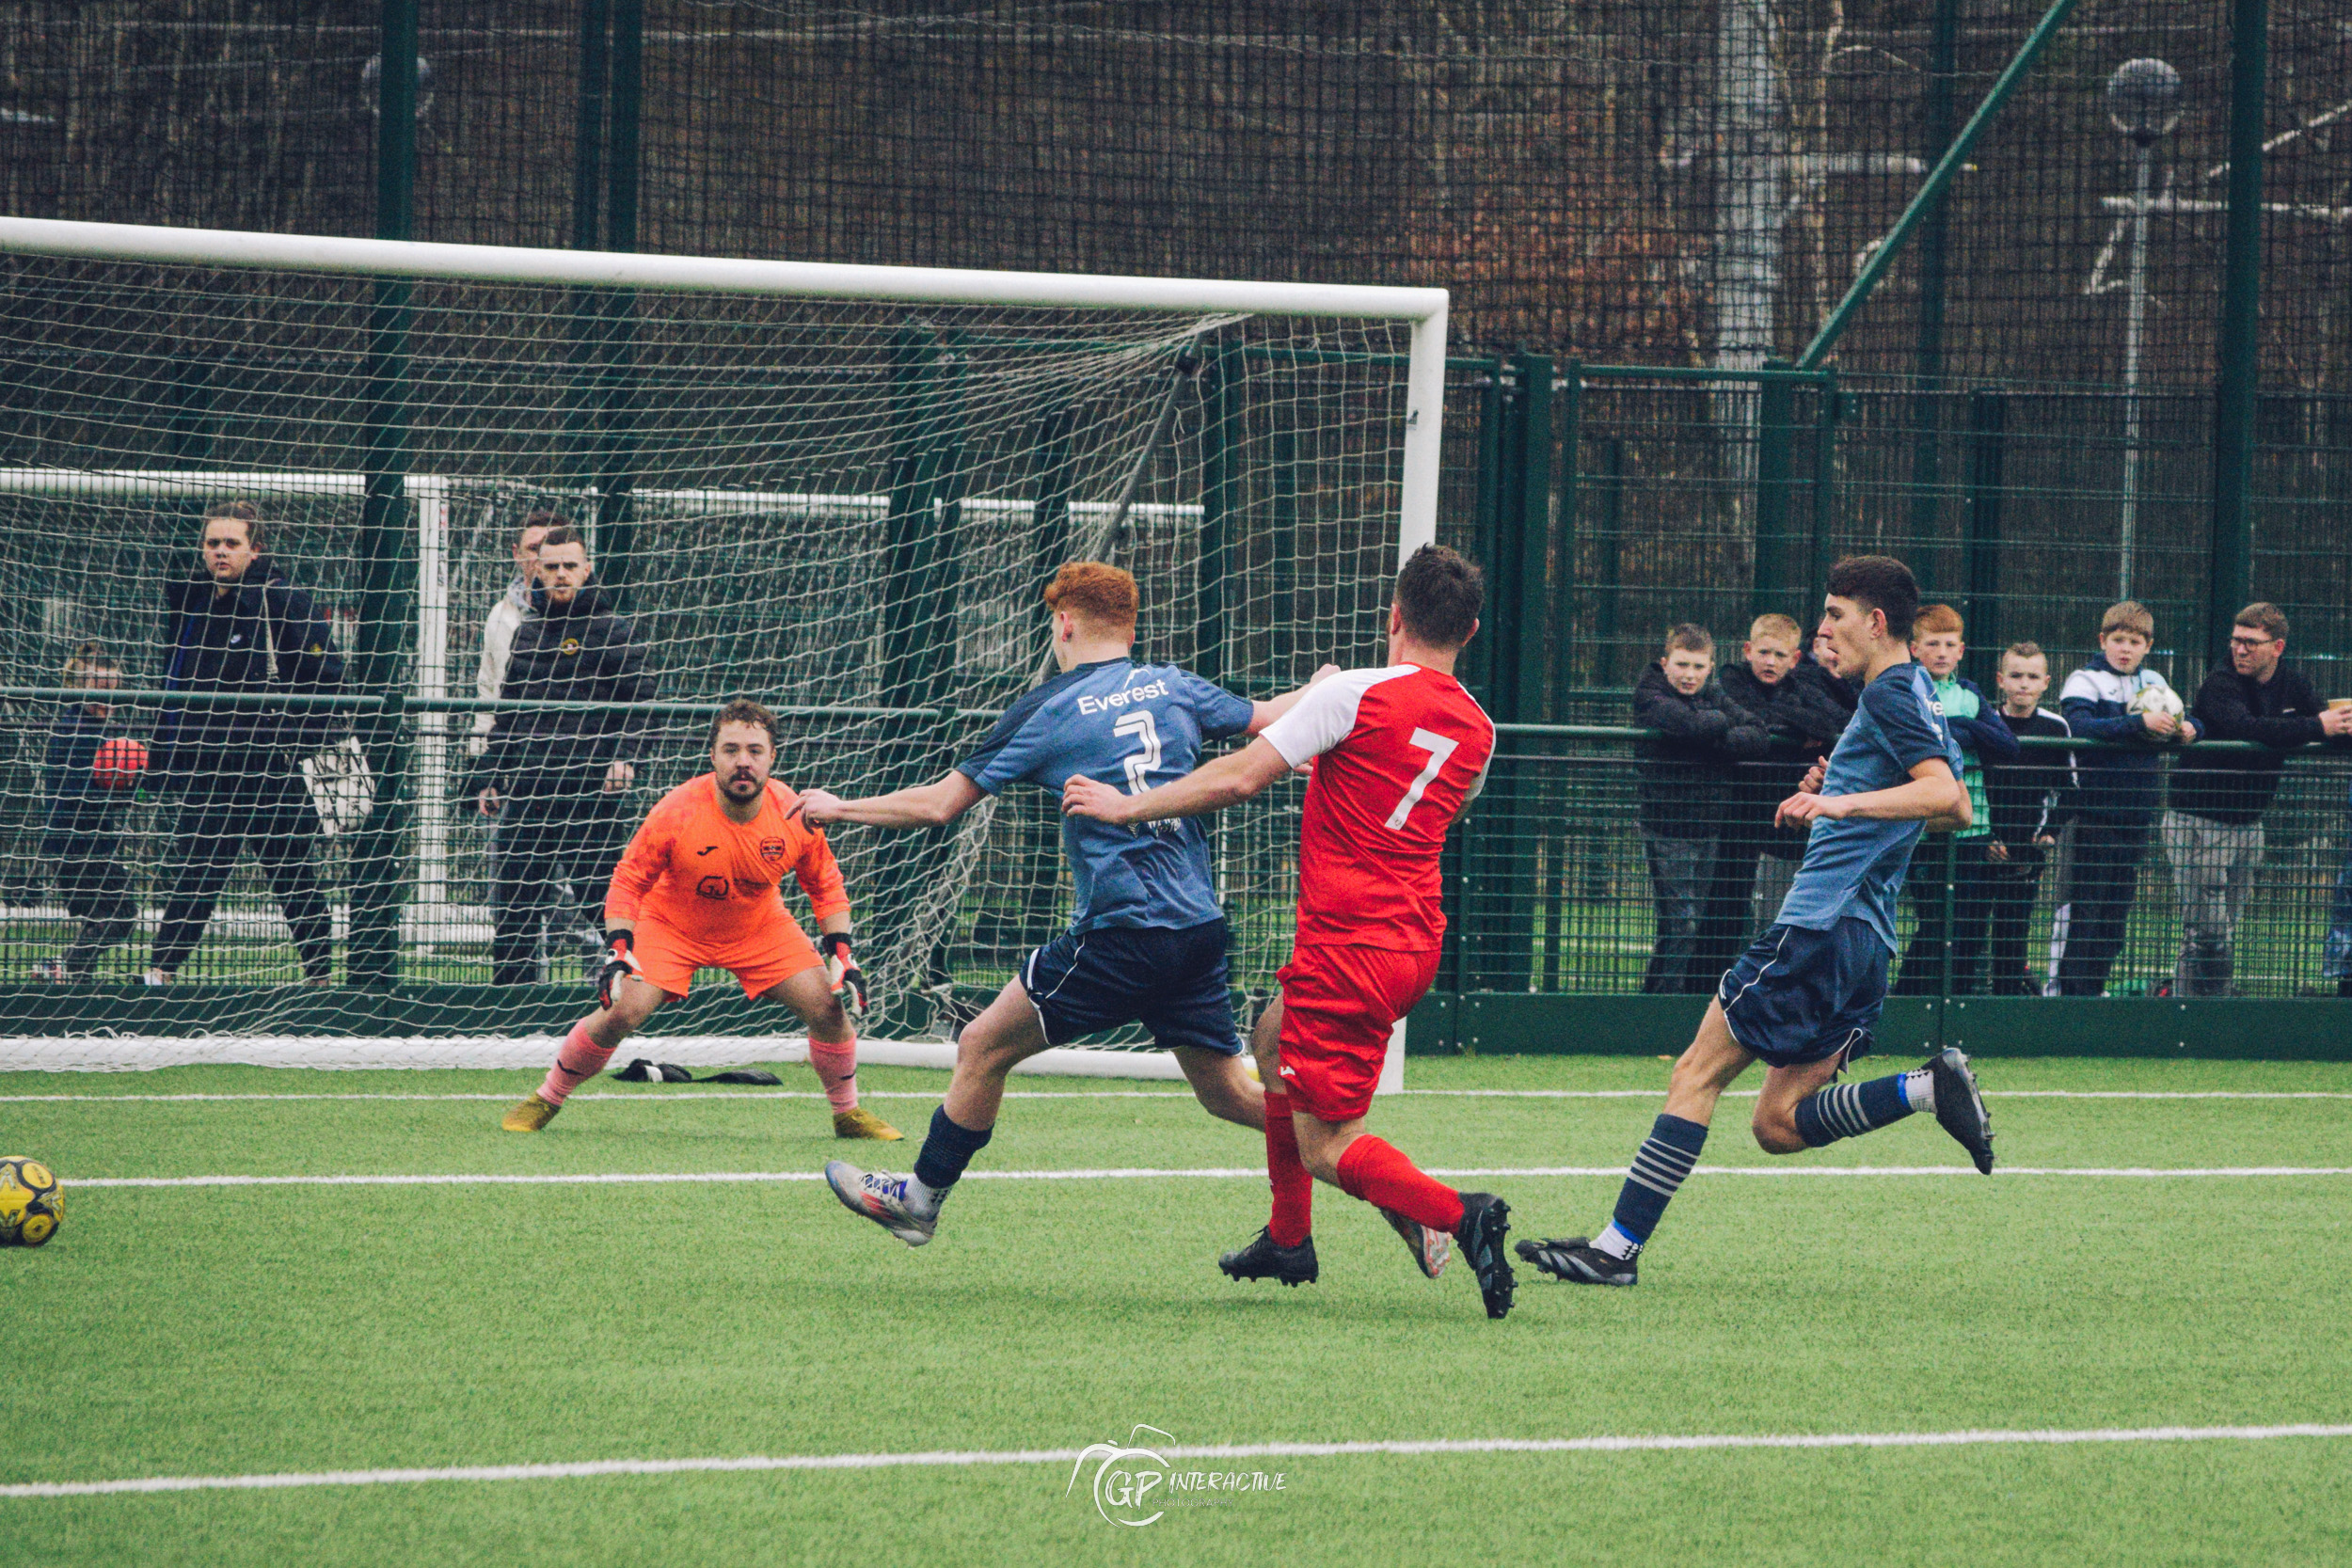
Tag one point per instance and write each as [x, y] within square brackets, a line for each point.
[82, 840]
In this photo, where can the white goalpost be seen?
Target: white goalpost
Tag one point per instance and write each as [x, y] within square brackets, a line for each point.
[835, 488]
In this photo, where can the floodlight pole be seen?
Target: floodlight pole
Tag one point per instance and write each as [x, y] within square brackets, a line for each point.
[2134, 324]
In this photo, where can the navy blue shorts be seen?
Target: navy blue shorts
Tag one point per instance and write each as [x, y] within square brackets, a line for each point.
[1800, 995]
[1171, 982]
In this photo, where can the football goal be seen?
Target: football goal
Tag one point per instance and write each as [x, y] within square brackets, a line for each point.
[838, 490]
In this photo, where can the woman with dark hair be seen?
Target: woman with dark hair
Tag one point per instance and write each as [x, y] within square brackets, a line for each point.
[83, 840]
[238, 626]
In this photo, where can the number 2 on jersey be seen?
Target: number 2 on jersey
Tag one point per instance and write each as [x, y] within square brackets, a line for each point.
[1439, 748]
[1141, 764]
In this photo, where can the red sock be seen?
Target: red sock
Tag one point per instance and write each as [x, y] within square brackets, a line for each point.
[1293, 1189]
[580, 1059]
[1375, 1172]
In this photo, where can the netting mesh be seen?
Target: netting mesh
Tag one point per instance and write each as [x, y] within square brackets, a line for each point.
[844, 510]
[1640, 180]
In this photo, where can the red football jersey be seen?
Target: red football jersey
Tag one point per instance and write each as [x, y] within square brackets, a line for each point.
[1398, 752]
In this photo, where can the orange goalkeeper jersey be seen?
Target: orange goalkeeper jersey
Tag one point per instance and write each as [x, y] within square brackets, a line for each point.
[717, 881]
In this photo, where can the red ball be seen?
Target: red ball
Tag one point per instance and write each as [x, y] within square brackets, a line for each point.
[119, 762]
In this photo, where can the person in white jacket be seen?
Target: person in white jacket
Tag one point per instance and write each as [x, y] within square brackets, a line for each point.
[498, 632]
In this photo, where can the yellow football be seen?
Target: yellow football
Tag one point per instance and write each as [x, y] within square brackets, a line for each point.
[30, 1208]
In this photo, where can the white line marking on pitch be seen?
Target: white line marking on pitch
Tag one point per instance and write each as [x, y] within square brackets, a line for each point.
[584, 1469]
[1143, 1173]
[1137, 1094]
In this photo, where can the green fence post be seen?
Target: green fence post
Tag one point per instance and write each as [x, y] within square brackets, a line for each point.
[1534, 612]
[1488, 540]
[1775, 420]
[1221, 497]
[1612, 567]
[379, 862]
[1927, 459]
[1826, 417]
[2238, 353]
[596, 26]
[1563, 600]
[1531, 487]
[1988, 439]
[1282, 542]
[616, 479]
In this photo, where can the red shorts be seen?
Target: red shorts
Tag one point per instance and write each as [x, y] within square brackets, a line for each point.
[1339, 1005]
[759, 962]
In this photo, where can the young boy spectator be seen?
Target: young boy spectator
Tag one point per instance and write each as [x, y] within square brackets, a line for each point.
[2212, 834]
[1954, 912]
[2030, 800]
[84, 837]
[1775, 681]
[2122, 788]
[1681, 785]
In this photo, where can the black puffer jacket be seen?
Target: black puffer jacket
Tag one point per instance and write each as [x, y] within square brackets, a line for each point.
[1685, 777]
[1805, 720]
[219, 643]
[581, 652]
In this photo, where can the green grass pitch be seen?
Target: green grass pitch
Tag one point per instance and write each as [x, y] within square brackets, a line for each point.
[233, 1331]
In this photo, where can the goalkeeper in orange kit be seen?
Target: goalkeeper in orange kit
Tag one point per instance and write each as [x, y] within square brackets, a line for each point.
[700, 887]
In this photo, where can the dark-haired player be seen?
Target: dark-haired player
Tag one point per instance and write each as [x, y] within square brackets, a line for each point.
[700, 887]
[1146, 942]
[1397, 753]
[1803, 999]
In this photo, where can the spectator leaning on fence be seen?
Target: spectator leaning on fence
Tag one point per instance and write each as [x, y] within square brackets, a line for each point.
[1793, 695]
[557, 779]
[82, 841]
[513, 609]
[1938, 642]
[1682, 788]
[2212, 834]
[237, 625]
[2030, 799]
[2121, 789]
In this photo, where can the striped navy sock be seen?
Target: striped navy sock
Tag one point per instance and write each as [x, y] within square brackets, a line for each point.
[1660, 1167]
[1849, 1110]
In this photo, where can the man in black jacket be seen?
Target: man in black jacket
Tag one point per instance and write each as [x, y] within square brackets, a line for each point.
[2212, 833]
[1793, 696]
[1683, 788]
[557, 780]
[238, 626]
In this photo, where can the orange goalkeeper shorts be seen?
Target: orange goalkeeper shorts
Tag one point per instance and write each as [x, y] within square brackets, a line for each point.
[759, 961]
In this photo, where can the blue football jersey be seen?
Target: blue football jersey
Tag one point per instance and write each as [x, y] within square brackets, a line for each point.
[1133, 726]
[1853, 866]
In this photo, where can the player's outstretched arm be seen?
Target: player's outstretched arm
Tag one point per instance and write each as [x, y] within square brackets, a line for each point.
[1228, 780]
[1263, 714]
[1934, 795]
[930, 805]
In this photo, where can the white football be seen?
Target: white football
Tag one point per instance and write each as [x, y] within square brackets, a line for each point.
[2159, 699]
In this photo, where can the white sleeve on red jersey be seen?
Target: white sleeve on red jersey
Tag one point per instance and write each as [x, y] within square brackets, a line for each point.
[1327, 714]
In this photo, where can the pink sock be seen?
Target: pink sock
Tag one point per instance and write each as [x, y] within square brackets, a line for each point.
[580, 1059]
[836, 1070]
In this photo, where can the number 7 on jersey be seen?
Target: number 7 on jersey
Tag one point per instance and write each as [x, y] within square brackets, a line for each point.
[1439, 748]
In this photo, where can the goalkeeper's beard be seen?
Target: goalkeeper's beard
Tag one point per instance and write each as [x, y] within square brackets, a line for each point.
[743, 785]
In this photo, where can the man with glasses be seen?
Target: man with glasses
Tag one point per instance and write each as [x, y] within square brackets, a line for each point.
[2212, 834]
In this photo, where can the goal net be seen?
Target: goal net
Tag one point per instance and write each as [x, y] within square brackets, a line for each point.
[836, 490]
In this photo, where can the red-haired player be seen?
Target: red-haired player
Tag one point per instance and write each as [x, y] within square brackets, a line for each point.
[700, 887]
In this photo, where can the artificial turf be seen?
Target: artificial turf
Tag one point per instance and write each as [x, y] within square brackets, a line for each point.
[204, 1330]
